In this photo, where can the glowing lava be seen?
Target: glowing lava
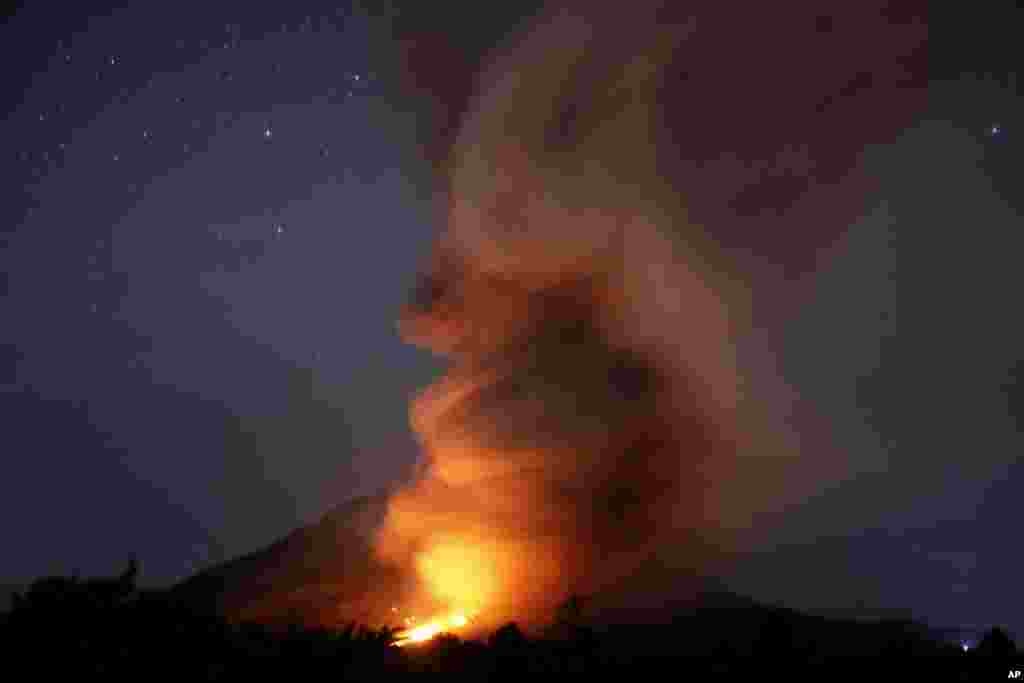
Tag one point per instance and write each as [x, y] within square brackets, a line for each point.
[434, 627]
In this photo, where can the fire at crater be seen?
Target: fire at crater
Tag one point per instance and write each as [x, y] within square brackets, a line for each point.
[423, 632]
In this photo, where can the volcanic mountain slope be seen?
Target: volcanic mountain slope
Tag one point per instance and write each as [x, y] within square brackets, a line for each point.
[326, 574]
[323, 574]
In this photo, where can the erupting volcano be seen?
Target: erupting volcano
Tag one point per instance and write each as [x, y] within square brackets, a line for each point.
[554, 461]
[600, 404]
[612, 422]
[578, 435]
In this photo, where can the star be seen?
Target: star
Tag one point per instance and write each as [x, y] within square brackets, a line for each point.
[995, 129]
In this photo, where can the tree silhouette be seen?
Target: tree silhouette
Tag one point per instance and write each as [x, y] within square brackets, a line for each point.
[508, 638]
[509, 648]
[571, 611]
[66, 626]
[582, 640]
[996, 643]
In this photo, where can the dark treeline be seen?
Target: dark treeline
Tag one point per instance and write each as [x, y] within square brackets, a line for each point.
[110, 628]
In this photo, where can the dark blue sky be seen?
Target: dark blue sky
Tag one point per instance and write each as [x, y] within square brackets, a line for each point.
[213, 237]
[213, 214]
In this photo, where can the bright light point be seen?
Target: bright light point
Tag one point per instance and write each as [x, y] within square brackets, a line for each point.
[266, 132]
[429, 630]
[356, 77]
[965, 647]
[995, 130]
[422, 633]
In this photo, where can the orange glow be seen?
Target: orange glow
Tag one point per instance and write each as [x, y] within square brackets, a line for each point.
[460, 573]
[427, 631]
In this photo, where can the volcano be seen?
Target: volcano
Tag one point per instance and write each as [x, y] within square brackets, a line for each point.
[326, 574]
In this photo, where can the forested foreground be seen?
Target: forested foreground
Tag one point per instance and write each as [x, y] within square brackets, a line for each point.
[110, 628]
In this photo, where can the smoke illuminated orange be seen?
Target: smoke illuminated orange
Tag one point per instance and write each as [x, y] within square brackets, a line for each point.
[593, 418]
[460, 573]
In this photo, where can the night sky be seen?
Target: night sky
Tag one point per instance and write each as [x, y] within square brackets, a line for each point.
[213, 213]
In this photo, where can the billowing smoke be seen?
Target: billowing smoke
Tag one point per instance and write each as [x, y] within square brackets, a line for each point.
[599, 419]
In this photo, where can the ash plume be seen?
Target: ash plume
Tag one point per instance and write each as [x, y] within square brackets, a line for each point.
[600, 419]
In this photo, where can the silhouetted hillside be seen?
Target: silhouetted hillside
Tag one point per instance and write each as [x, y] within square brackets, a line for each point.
[325, 574]
[320, 574]
[6, 596]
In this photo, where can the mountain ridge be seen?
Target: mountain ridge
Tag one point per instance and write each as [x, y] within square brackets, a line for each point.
[324, 575]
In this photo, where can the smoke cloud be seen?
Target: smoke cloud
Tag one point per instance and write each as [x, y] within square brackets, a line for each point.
[602, 417]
